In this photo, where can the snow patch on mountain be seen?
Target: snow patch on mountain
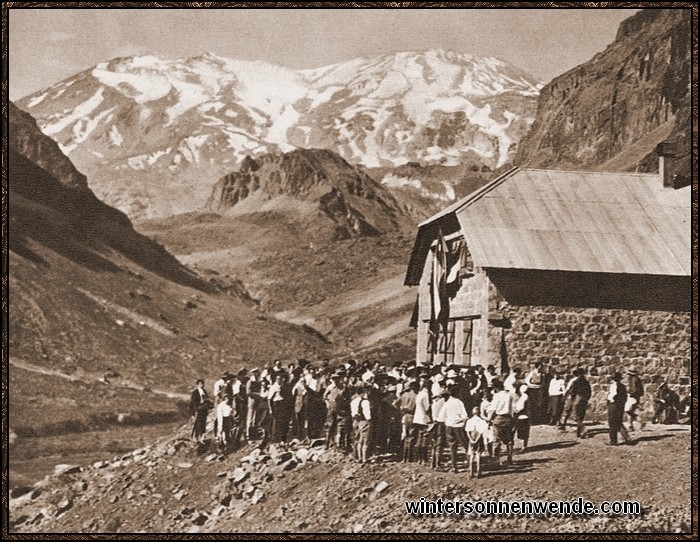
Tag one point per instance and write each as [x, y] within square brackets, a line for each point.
[77, 114]
[141, 87]
[85, 126]
[143, 160]
[190, 147]
[115, 136]
[189, 95]
[396, 181]
[36, 101]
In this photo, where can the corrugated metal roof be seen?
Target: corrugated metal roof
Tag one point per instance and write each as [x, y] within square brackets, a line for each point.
[580, 221]
[445, 220]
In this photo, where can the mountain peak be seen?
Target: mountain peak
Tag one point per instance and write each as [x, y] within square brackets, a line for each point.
[144, 122]
[320, 181]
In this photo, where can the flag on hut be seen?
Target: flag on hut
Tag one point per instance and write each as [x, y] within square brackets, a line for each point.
[440, 300]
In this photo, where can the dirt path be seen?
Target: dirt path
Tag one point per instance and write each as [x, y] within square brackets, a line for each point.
[89, 378]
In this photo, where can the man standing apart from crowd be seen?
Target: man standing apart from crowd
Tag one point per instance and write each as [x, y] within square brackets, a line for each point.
[617, 397]
[635, 392]
[200, 404]
[556, 390]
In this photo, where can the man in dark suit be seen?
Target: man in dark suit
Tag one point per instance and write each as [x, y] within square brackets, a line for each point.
[617, 397]
[200, 404]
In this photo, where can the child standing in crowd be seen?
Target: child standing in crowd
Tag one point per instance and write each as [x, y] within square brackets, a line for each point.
[522, 413]
[476, 429]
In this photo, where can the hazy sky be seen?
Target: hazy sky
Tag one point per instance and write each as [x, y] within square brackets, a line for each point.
[48, 45]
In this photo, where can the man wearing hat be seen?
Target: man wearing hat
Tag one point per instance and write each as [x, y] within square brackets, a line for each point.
[220, 384]
[343, 412]
[635, 392]
[437, 388]
[617, 397]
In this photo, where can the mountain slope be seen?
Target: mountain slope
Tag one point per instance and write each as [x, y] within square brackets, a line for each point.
[611, 112]
[91, 296]
[151, 134]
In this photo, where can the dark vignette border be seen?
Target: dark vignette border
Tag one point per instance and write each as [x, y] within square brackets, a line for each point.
[4, 512]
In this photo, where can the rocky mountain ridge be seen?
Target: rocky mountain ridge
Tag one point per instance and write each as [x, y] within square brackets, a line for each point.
[611, 112]
[353, 201]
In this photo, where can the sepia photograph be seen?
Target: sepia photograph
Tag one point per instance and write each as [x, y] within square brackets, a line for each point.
[391, 268]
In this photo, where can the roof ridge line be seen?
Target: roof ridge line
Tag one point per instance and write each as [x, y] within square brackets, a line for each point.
[639, 174]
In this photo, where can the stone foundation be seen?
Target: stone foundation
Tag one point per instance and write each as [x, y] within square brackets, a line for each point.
[604, 340]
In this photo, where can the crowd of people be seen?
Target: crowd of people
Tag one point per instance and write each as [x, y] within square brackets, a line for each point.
[413, 412]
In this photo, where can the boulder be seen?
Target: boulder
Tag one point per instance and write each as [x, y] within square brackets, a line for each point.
[238, 475]
[67, 469]
[21, 519]
[289, 465]
[80, 486]
[200, 519]
[218, 510]
[252, 457]
[249, 490]
[257, 496]
[273, 450]
[381, 486]
[64, 505]
[16, 492]
[283, 457]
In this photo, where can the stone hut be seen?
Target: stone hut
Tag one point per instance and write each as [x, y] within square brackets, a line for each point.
[565, 267]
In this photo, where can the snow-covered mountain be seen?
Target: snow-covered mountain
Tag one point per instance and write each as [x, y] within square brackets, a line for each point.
[153, 135]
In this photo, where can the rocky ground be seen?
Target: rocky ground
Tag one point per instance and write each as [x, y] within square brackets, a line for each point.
[178, 486]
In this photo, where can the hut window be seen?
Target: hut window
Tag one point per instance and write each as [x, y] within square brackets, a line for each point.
[446, 343]
[467, 338]
[432, 343]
